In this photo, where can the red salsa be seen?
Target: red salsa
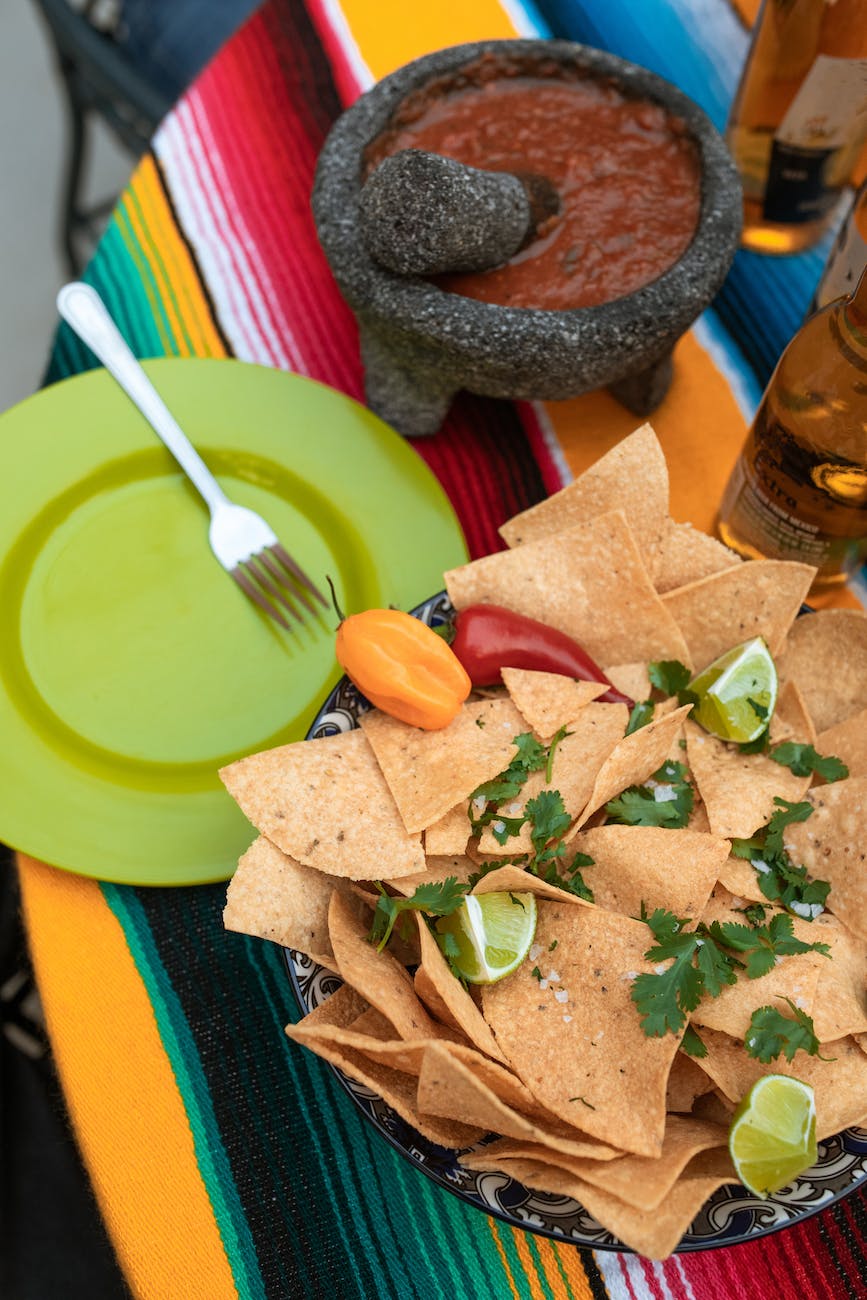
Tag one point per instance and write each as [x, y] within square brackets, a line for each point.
[627, 172]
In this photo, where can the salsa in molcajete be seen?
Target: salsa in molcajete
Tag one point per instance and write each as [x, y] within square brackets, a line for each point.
[626, 170]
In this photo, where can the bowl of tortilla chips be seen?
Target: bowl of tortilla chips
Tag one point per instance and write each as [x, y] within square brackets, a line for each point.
[555, 1098]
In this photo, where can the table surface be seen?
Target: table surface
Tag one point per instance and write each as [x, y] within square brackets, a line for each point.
[225, 1161]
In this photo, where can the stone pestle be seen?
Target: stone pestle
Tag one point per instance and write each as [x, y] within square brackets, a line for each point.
[422, 214]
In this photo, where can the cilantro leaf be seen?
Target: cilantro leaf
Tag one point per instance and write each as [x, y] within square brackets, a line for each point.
[439, 898]
[703, 963]
[691, 1044]
[639, 805]
[641, 714]
[717, 967]
[780, 880]
[555, 741]
[668, 675]
[572, 882]
[787, 813]
[771, 1034]
[666, 997]
[757, 746]
[549, 817]
[531, 755]
[503, 828]
[664, 1000]
[803, 760]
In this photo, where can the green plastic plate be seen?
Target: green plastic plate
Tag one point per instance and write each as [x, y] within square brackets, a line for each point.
[131, 666]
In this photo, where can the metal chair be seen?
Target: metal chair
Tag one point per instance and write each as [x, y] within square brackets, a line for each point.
[98, 80]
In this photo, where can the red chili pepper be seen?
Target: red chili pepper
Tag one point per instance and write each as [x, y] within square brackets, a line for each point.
[490, 637]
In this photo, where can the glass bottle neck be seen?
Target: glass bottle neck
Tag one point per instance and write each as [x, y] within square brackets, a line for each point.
[853, 316]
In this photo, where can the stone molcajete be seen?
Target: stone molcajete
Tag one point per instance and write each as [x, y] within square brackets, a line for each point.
[390, 211]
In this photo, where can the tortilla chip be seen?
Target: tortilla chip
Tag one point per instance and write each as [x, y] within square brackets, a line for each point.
[758, 598]
[373, 1024]
[687, 1082]
[427, 991]
[437, 870]
[630, 679]
[548, 700]
[841, 995]
[737, 789]
[377, 976]
[635, 758]
[341, 1008]
[496, 1154]
[589, 581]
[580, 1036]
[632, 477]
[839, 1082]
[642, 1181]
[325, 803]
[741, 879]
[462, 1010]
[795, 977]
[836, 639]
[591, 738]
[276, 898]
[429, 772]
[832, 845]
[847, 740]
[635, 865]
[656, 1233]
[515, 880]
[447, 1087]
[653, 1233]
[688, 555]
[396, 1088]
[449, 835]
[368, 1039]
[713, 1106]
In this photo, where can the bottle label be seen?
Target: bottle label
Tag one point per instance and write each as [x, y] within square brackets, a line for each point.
[758, 510]
[815, 144]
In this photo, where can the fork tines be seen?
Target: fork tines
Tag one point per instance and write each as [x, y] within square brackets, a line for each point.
[275, 582]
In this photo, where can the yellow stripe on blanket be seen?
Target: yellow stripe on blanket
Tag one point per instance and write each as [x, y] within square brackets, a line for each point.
[109, 1054]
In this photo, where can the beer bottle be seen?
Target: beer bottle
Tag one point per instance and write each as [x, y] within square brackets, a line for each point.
[799, 118]
[799, 488]
[848, 256]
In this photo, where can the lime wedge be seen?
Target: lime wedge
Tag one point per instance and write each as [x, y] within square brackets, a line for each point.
[737, 693]
[491, 935]
[772, 1137]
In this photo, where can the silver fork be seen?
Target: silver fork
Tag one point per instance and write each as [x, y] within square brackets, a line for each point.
[242, 541]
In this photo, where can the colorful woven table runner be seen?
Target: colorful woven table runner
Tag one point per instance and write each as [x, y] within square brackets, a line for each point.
[225, 1161]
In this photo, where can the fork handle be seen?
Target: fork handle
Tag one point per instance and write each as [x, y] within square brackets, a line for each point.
[83, 309]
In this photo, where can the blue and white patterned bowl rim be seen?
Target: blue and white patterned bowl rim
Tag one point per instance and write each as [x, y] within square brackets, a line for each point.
[730, 1216]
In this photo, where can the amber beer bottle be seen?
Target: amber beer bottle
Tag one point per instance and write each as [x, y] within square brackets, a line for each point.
[848, 256]
[799, 488]
[799, 118]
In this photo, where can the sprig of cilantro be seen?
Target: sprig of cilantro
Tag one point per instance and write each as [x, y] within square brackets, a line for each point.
[669, 676]
[771, 1034]
[530, 757]
[639, 805]
[545, 813]
[439, 898]
[641, 714]
[779, 879]
[804, 760]
[552, 749]
[703, 964]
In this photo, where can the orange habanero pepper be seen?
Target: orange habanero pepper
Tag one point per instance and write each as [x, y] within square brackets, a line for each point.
[402, 666]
